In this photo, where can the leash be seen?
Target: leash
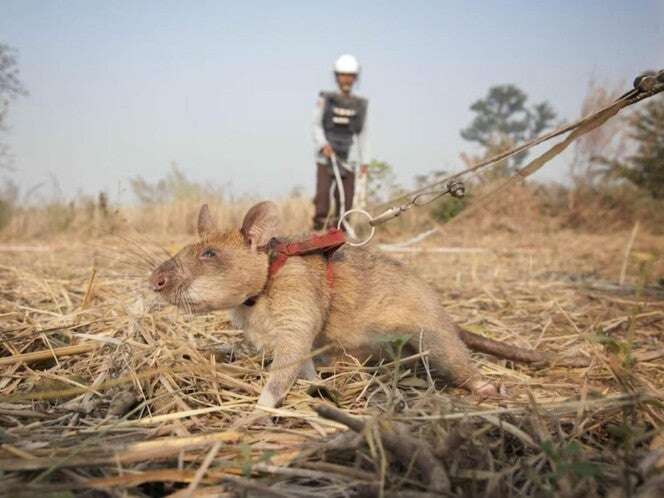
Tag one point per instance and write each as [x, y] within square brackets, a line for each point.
[342, 194]
[336, 162]
[645, 85]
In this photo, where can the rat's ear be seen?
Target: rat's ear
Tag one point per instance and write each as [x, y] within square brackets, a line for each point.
[260, 224]
[206, 224]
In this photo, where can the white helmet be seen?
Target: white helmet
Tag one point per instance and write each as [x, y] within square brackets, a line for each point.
[347, 64]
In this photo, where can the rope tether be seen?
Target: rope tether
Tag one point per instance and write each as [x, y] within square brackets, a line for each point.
[645, 86]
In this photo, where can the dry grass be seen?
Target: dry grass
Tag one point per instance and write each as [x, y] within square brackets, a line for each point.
[101, 397]
[86, 218]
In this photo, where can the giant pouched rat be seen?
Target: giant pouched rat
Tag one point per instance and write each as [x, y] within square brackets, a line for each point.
[296, 310]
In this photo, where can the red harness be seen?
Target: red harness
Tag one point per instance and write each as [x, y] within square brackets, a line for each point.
[324, 244]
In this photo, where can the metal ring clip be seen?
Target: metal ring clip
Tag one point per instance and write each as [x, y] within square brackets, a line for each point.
[373, 228]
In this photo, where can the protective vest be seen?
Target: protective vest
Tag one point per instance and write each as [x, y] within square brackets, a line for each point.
[343, 117]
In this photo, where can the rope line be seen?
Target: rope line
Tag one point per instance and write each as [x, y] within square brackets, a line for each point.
[645, 86]
[633, 96]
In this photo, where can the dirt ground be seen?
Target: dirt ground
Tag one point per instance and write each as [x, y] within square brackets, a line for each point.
[100, 396]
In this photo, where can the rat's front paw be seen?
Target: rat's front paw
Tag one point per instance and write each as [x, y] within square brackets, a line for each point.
[486, 389]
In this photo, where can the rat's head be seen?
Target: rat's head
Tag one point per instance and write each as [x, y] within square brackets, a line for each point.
[223, 269]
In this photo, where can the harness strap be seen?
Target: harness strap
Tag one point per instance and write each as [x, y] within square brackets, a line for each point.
[325, 244]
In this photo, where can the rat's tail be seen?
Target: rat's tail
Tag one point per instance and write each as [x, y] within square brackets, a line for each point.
[507, 351]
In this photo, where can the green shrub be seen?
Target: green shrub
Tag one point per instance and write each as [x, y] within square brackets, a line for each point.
[447, 207]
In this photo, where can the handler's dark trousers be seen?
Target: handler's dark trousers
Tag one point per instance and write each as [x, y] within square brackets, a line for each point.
[324, 181]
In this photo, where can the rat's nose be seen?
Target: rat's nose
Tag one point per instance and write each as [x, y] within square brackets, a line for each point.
[159, 281]
[163, 276]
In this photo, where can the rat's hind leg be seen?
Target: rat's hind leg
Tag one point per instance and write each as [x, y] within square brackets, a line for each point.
[451, 359]
[427, 328]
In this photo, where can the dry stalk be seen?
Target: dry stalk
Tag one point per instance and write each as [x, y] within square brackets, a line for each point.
[401, 444]
[65, 334]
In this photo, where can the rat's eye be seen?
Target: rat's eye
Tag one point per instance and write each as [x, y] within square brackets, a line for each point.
[209, 253]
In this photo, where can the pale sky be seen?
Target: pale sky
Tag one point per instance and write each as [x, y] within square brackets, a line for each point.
[226, 89]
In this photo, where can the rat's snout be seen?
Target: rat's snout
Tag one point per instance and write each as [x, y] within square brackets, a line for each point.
[159, 281]
[162, 278]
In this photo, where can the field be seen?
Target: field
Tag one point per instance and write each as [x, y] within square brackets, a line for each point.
[104, 394]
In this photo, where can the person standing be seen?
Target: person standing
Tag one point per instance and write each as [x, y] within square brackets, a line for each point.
[340, 135]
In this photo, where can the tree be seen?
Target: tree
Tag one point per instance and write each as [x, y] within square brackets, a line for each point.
[645, 167]
[11, 87]
[382, 182]
[502, 120]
